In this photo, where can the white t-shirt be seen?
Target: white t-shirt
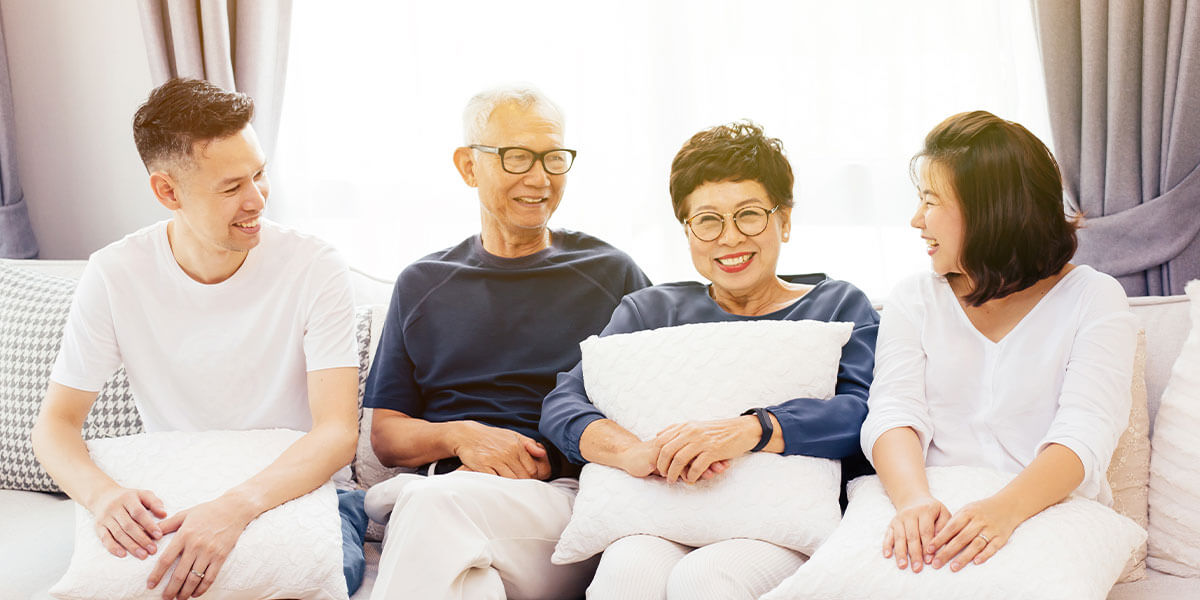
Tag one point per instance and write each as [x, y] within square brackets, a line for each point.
[231, 355]
[1062, 375]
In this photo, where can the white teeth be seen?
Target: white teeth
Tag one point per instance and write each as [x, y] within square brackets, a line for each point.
[931, 243]
[733, 262]
[247, 224]
[530, 200]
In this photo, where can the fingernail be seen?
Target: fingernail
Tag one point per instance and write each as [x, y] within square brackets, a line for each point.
[140, 553]
[887, 553]
[955, 566]
[152, 548]
[120, 553]
[937, 563]
[928, 558]
[157, 533]
[903, 564]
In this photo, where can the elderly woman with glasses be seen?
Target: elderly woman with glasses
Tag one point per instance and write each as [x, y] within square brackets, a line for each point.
[731, 188]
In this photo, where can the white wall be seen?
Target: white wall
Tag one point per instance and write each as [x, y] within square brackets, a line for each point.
[79, 71]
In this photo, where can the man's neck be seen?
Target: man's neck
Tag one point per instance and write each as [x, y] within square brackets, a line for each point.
[509, 245]
[205, 265]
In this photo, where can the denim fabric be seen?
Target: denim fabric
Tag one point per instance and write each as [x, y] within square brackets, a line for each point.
[354, 527]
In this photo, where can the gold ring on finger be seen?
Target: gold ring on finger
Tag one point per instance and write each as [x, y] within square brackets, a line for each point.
[198, 574]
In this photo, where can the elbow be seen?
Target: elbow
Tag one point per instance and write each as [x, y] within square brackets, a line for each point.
[386, 451]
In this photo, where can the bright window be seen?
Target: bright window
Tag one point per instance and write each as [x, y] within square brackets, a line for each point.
[375, 92]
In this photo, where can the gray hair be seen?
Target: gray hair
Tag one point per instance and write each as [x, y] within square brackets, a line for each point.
[480, 107]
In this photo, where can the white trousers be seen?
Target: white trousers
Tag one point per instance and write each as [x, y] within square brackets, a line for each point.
[652, 568]
[474, 536]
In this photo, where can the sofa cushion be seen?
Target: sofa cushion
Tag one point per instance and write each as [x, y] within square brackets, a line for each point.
[1174, 479]
[36, 544]
[1072, 550]
[648, 380]
[33, 311]
[1129, 470]
[291, 551]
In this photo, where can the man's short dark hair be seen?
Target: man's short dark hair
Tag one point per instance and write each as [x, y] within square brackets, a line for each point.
[1011, 193]
[734, 152]
[180, 113]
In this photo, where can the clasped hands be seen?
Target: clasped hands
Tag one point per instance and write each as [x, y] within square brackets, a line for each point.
[923, 532]
[692, 451]
[127, 522]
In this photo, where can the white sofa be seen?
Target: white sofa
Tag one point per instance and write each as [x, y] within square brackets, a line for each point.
[36, 528]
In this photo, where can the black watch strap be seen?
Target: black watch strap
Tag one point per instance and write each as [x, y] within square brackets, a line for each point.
[768, 429]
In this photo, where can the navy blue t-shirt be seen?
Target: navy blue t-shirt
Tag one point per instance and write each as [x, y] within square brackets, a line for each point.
[474, 336]
[813, 427]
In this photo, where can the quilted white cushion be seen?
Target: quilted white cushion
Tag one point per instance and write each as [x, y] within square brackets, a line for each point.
[291, 551]
[648, 380]
[1074, 550]
[1174, 479]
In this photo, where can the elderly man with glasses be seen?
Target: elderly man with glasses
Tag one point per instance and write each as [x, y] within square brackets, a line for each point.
[474, 338]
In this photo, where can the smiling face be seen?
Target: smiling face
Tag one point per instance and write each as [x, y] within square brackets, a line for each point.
[736, 264]
[217, 198]
[515, 207]
[939, 217]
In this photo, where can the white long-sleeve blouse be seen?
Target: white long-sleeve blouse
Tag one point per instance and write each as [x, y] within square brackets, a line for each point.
[1062, 375]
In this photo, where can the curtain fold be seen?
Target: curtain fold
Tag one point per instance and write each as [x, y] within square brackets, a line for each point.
[16, 232]
[1123, 86]
[238, 46]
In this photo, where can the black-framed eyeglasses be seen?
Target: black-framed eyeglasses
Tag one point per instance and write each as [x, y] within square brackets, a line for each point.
[708, 226]
[518, 160]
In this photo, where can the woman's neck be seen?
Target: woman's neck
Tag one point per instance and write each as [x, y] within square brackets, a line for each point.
[772, 296]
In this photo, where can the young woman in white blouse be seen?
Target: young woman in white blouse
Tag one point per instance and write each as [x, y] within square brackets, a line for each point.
[1005, 356]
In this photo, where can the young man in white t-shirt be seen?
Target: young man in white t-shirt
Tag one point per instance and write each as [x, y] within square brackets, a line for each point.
[222, 320]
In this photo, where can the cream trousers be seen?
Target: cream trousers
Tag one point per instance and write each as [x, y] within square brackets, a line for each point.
[474, 536]
[651, 568]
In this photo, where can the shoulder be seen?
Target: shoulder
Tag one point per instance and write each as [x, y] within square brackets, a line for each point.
[1093, 292]
[136, 246]
[834, 299]
[664, 297]
[578, 244]
[434, 269]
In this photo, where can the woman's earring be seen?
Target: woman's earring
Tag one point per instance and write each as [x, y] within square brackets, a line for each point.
[785, 236]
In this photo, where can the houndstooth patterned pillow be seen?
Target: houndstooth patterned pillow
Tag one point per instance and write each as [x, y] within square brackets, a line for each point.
[33, 312]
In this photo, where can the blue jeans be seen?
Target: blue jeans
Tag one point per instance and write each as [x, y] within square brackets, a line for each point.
[354, 527]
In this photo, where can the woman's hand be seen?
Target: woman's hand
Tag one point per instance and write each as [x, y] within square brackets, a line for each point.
[975, 533]
[909, 537]
[694, 450]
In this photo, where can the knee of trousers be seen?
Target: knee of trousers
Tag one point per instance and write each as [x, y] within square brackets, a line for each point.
[430, 494]
[696, 576]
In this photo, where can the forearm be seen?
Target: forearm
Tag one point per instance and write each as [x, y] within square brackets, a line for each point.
[59, 446]
[303, 467]
[900, 463]
[61, 450]
[403, 441]
[1052, 476]
[607, 443]
[822, 428]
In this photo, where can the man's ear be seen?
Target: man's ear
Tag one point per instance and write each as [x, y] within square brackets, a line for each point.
[464, 161]
[166, 189]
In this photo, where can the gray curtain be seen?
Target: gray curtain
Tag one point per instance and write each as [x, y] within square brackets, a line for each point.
[16, 234]
[1123, 83]
[239, 46]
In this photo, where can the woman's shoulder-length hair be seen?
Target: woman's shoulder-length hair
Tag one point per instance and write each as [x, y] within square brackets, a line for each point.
[1011, 194]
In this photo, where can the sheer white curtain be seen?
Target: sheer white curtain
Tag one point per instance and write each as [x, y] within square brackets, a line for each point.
[375, 91]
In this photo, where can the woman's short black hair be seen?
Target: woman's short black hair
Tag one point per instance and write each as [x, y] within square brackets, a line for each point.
[734, 152]
[1011, 193]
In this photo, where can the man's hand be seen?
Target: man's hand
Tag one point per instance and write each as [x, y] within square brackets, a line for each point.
[695, 450]
[206, 534]
[501, 452]
[125, 521]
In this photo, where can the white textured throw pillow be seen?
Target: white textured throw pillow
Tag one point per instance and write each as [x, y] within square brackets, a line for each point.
[648, 380]
[291, 551]
[1074, 550]
[1174, 479]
